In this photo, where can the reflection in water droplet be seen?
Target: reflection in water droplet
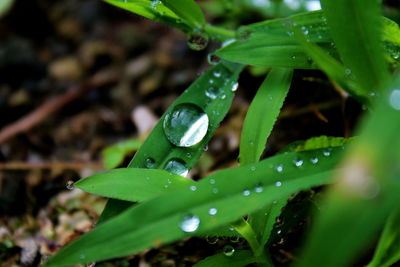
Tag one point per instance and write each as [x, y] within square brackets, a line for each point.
[193, 188]
[176, 166]
[150, 163]
[394, 99]
[279, 168]
[70, 185]
[246, 192]
[314, 160]
[185, 125]
[326, 153]
[229, 250]
[213, 59]
[259, 188]
[197, 41]
[298, 162]
[212, 211]
[212, 92]
[212, 239]
[278, 184]
[190, 223]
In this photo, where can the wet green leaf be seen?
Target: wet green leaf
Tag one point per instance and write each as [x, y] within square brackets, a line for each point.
[187, 9]
[239, 258]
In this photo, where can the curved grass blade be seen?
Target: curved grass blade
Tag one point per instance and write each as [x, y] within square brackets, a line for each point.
[5, 6]
[154, 10]
[260, 44]
[359, 42]
[240, 258]
[262, 114]
[367, 190]
[132, 184]
[160, 220]
[212, 92]
[187, 9]
[114, 155]
[387, 252]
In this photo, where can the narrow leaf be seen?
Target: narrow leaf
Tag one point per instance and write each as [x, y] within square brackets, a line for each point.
[239, 258]
[184, 212]
[262, 114]
[114, 155]
[187, 9]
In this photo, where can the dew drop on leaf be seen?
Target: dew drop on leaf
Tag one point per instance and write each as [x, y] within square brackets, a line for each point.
[70, 185]
[185, 125]
[212, 239]
[217, 74]
[212, 211]
[278, 184]
[150, 163]
[298, 162]
[246, 192]
[212, 92]
[394, 99]
[326, 153]
[229, 250]
[314, 160]
[176, 166]
[259, 188]
[212, 181]
[197, 41]
[193, 188]
[279, 168]
[234, 87]
[190, 223]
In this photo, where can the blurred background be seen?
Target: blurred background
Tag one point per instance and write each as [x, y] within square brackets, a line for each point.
[81, 85]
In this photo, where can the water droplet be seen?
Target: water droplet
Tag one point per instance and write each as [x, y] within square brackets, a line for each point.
[246, 192]
[169, 181]
[205, 148]
[347, 72]
[213, 59]
[212, 239]
[229, 250]
[190, 223]
[298, 162]
[278, 184]
[197, 41]
[314, 160]
[234, 239]
[279, 232]
[176, 166]
[217, 74]
[259, 188]
[82, 256]
[185, 125]
[253, 168]
[188, 155]
[150, 163]
[70, 185]
[193, 188]
[215, 190]
[234, 87]
[279, 168]
[212, 181]
[212, 211]
[394, 99]
[212, 92]
[223, 96]
[165, 186]
[326, 153]
[293, 57]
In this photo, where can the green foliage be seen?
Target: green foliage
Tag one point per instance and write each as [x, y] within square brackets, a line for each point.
[363, 179]
[114, 155]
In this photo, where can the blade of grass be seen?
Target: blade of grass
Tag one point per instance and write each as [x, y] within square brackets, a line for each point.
[159, 220]
[387, 252]
[114, 155]
[187, 9]
[221, 79]
[367, 190]
[356, 26]
[239, 259]
[262, 114]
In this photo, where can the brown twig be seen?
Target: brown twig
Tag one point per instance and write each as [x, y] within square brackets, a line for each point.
[50, 165]
[53, 105]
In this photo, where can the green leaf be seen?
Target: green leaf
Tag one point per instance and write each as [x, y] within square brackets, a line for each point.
[159, 220]
[132, 184]
[359, 42]
[272, 43]
[318, 142]
[5, 6]
[187, 9]
[262, 114]
[114, 155]
[240, 258]
[387, 252]
[211, 92]
[367, 190]
[154, 10]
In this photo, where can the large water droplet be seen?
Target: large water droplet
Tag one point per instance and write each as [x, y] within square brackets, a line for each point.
[229, 250]
[394, 99]
[176, 166]
[197, 41]
[70, 185]
[190, 223]
[212, 211]
[150, 163]
[185, 125]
